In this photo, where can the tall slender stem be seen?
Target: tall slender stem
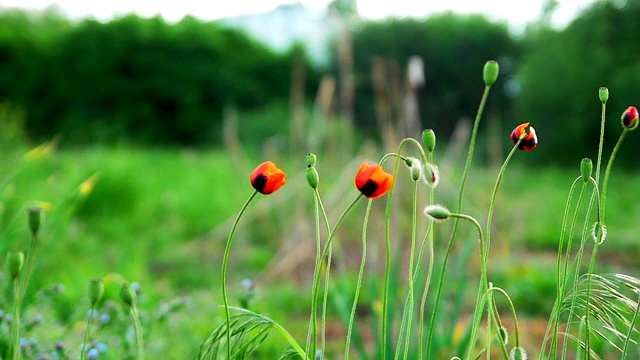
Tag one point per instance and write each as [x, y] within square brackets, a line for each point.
[225, 260]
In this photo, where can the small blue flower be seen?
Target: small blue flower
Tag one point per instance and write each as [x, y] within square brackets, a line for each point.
[102, 347]
[105, 319]
[93, 353]
[23, 343]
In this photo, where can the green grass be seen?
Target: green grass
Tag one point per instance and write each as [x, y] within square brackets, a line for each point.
[161, 217]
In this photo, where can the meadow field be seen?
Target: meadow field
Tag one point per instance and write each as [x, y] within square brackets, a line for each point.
[159, 218]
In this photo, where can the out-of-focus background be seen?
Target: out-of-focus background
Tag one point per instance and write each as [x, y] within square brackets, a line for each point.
[172, 107]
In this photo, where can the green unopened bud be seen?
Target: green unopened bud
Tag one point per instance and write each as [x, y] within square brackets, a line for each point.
[311, 159]
[431, 175]
[312, 176]
[599, 233]
[586, 168]
[604, 94]
[96, 290]
[416, 169]
[490, 72]
[15, 260]
[436, 212]
[429, 139]
[504, 334]
[35, 214]
[128, 295]
[518, 353]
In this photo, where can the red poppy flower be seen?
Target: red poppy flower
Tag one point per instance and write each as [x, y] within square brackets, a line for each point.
[372, 181]
[530, 141]
[630, 118]
[267, 178]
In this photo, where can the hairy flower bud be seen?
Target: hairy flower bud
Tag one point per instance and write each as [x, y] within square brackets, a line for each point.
[15, 260]
[312, 176]
[518, 353]
[586, 168]
[127, 295]
[311, 159]
[35, 214]
[96, 290]
[490, 72]
[436, 212]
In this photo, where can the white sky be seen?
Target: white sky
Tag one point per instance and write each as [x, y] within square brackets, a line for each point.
[515, 12]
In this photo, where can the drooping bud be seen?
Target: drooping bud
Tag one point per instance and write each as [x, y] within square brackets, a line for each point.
[127, 295]
[436, 212]
[504, 334]
[518, 353]
[312, 176]
[15, 260]
[629, 118]
[35, 214]
[431, 175]
[603, 93]
[429, 139]
[311, 159]
[586, 168]
[416, 170]
[96, 290]
[599, 233]
[490, 72]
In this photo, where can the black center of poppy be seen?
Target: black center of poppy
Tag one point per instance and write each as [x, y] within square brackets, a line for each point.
[369, 188]
[259, 182]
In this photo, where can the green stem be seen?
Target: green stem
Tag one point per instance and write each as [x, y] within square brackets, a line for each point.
[359, 282]
[316, 278]
[465, 173]
[85, 341]
[325, 297]
[225, 260]
[411, 275]
[600, 234]
[486, 247]
[387, 237]
[138, 330]
[316, 200]
[427, 240]
[15, 326]
[627, 339]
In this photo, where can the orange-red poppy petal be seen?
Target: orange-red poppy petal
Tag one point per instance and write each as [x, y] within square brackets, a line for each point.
[267, 178]
[530, 140]
[372, 181]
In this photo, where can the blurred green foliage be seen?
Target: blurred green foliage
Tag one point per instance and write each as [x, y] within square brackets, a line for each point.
[134, 79]
[453, 48]
[150, 82]
[561, 73]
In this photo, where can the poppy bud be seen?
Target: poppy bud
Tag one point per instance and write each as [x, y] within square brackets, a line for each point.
[429, 139]
[629, 118]
[127, 295]
[267, 178]
[35, 214]
[311, 159]
[599, 233]
[603, 93]
[15, 260]
[416, 169]
[431, 175]
[372, 181]
[586, 168]
[504, 334]
[528, 135]
[96, 290]
[312, 176]
[436, 212]
[490, 72]
[518, 353]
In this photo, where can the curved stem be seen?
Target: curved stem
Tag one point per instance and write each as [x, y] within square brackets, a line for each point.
[359, 282]
[85, 341]
[465, 174]
[225, 260]
[138, 330]
[316, 278]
